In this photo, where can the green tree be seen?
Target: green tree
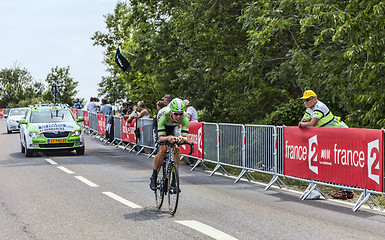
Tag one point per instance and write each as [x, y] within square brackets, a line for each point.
[60, 77]
[333, 47]
[250, 61]
[18, 88]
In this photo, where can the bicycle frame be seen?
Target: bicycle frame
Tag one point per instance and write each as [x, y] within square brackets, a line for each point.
[168, 185]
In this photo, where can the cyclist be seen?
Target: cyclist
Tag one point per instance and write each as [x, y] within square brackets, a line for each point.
[169, 118]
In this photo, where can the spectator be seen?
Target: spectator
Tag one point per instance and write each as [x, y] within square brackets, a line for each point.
[133, 113]
[77, 104]
[106, 108]
[192, 114]
[159, 105]
[91, 106]
[125, 109]
[167, 99]
[97, 101]
[127, 112]
[318, 115]
[143, 112]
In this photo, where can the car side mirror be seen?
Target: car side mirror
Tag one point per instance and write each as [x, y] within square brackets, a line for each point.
[22, 121]
[80, 119]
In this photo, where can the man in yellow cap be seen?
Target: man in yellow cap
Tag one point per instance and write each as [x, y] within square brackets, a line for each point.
[317, 113]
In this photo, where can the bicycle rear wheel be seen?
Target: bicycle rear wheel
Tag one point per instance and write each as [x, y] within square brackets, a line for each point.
[161, 186]
[173, 188]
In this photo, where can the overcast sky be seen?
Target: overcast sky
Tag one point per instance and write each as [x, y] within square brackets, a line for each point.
[42, 34]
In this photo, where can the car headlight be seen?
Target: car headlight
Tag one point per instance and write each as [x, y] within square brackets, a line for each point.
[76, 133]
[34, 134]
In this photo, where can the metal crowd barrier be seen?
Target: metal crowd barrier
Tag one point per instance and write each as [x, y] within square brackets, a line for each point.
[118, 136]
[146, 137]
[93, 122]
[251, 148]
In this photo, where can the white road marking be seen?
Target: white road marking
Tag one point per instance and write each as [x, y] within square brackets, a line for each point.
[122, 200]
[66, 170]
[51, 161]
[86, 181]
[206, 229]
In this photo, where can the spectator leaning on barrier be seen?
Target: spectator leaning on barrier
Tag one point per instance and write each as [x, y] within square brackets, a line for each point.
[143, 112]
[318, 115]
[133, 113]
[127, 111]
[124, 109]
[192, 114]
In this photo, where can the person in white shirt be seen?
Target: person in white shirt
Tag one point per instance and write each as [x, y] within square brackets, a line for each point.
[92, 107]
[191, 112]
[143, 112]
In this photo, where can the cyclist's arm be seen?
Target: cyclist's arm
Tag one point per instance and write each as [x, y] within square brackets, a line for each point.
[164, 138]
[185, 124]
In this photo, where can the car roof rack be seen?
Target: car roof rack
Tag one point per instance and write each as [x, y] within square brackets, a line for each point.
[63, 105]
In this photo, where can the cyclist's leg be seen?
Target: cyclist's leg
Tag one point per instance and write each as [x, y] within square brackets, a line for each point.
[159, 157]
[156, 165]
[177, 156]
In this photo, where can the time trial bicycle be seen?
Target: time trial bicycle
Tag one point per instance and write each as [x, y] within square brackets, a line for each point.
[167, 182]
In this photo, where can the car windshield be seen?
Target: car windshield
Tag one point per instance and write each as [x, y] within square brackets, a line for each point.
[51, 116]
[17, 112]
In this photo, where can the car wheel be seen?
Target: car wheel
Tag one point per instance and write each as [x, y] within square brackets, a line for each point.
[9, 131]
[28, 152]
[80, 151]
[22, 148]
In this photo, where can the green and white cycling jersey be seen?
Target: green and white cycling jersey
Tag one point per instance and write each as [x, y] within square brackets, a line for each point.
[325, 116]
[164, 122]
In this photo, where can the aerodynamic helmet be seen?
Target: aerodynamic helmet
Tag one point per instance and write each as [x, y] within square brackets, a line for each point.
[177, 105]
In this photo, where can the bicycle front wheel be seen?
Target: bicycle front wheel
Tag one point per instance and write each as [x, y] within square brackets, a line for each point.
[173, 188]
[161, 186]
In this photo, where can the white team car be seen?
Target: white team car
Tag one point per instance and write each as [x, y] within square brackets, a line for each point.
[13, 118]
[48, 127]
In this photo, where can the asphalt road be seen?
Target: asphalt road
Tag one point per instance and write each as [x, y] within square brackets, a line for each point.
[105, 195]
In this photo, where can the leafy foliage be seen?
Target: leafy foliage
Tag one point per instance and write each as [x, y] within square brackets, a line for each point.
[67, 86]
[18, 88]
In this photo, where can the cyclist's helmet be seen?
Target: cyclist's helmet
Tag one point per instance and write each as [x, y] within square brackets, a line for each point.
[177, 105]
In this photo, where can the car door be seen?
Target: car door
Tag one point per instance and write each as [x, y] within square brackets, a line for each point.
[23, 126]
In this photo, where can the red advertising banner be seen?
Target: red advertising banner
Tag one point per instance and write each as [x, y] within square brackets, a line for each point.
[102, 124]
[128, 131]
[347, 156]
[195, 135]
[1, 112]
[75, 112]
[86, 118]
